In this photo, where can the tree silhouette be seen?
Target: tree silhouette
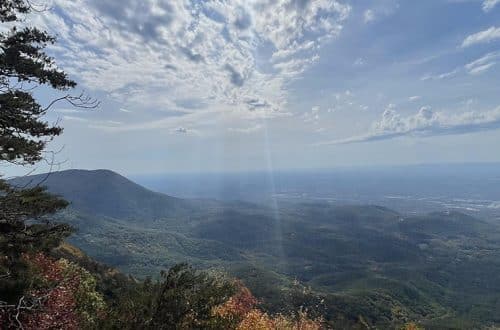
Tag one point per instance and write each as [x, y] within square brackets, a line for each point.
[24, 134]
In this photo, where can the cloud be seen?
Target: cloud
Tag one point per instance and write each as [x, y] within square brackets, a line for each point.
[481, 68]
[191, 55]
[73, 111]
[488, 5]
[256, 104]
[475, 67]
[425, 123]
[182, 130]
[368, 16]
[75, 118]
[150, 54]
[440, 76]
[483, 63]
[380, 9]
[414, 98]
[484, 36]
[113, 122]
[236, 77]
[246, 130]
[359, 62]
[313, 116]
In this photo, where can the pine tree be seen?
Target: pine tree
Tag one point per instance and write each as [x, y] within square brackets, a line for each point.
[24, 134]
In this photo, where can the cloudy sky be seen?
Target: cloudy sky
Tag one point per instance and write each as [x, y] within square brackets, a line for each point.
[243, 85]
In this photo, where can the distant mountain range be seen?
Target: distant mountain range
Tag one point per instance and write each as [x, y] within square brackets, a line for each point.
[357, 261]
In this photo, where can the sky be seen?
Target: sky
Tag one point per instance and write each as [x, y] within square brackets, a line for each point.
[194, 86]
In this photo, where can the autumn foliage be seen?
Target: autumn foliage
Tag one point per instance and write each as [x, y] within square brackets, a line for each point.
[62, 296]
[243, 314]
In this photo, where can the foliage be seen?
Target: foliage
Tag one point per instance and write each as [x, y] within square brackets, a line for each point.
[23, 65]
[241, 313]
[9, 10]
[411, 326]
[90, 305]
[181, 299]
[240, 304]
[20, 234]
[187, 299]
[350, 261]
[24, 134]
[62, 295]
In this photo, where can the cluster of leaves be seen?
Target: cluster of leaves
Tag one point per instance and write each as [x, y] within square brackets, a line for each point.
[9, 10]
[241, 312]
[62, 295]
[20, 233]
[23, 66]
[181, 299]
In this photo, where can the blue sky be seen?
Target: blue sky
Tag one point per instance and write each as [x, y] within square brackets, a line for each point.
[250, 85]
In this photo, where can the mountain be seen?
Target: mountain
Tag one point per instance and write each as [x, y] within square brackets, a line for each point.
[106, 193]
[440, 268]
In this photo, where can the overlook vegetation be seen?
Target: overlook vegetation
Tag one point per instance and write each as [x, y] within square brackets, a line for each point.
[348, 264]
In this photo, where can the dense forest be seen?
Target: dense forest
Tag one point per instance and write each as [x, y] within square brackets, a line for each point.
[343, 263]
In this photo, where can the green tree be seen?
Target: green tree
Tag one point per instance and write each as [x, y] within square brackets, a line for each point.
[24, 134]
[181, 299]
[24, 65]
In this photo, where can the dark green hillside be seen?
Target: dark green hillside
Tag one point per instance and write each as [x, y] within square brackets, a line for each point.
[439, 269]
[106, 193]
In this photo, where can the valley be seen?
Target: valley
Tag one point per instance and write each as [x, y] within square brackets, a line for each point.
[344, 261]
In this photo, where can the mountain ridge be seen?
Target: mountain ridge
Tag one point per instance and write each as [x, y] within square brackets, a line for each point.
[361, 259]
[104, 192]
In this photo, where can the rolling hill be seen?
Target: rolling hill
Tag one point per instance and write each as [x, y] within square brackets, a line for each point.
[355, 261]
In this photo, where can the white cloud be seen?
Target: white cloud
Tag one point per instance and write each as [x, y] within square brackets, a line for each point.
[440, 76]
[312, 116]
[481, 68]
[64, 110]
[380, 9]
[475, 67]
[74, 118]
[182, 130]
[414, 98]
[368, 16]
[113, 122]
[484, 36]
[246, 130]
[192, 56]
[483, 63]
[425, 122]
[359, 62]
[488, 5]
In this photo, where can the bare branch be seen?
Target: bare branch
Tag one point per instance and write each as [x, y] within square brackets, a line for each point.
[80, 101]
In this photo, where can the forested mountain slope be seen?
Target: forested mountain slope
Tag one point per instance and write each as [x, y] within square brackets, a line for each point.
[354, 261]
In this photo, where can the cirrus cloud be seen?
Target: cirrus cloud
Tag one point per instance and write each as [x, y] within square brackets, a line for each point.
[485, 36]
